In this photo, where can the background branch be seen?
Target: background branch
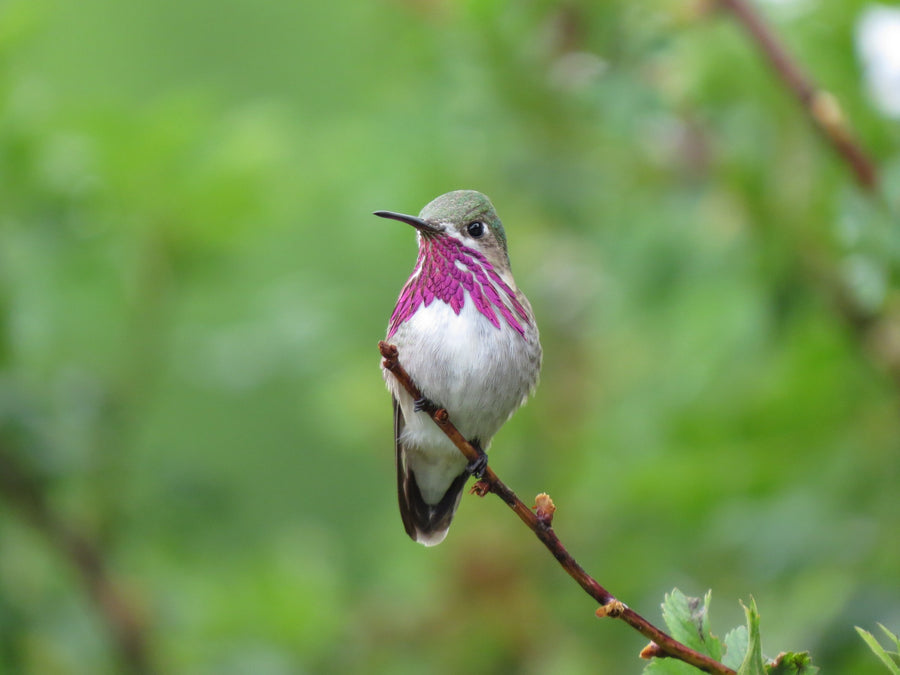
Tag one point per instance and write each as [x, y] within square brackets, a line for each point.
[663, 644]
[821, 106]
[22, 490]
[875, 330]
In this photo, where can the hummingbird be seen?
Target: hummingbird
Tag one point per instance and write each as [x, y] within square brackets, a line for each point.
[467, 337]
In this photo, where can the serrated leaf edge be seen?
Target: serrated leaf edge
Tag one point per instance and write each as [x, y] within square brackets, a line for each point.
[879, 651]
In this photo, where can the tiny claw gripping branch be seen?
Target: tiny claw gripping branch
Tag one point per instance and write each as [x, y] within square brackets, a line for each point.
[538, 521]
[421, 404]
[477, 468]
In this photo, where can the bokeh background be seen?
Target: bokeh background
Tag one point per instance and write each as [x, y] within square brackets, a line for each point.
[196, 464]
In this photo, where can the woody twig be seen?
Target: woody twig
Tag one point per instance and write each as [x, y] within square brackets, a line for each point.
[821, 106]
[126, 627]
[539, 522]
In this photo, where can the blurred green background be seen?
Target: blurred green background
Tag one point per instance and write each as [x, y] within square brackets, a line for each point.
[192, 287]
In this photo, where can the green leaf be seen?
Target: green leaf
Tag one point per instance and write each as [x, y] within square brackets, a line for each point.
[890, 659]
[893, 638]
[753, 660]
[688, 621]
[736, 642]
[793, 663]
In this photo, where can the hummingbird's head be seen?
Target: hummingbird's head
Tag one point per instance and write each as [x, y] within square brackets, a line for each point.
[465, 215]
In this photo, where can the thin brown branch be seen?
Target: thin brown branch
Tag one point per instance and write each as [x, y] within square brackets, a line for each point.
[22, 490]
[821, 106]
[875, 329]
[539, 523]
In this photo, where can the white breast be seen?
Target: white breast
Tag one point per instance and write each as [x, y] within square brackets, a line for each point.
[479, 373]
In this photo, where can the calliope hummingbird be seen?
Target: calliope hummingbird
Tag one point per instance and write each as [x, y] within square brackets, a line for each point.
[467, 337]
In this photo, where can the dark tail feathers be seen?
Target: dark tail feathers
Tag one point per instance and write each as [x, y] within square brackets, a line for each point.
[426, 523]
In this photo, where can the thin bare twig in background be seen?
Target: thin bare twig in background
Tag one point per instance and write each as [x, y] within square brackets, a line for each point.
[820, 104]
[876, 329]
[539, 522]
[21, 490]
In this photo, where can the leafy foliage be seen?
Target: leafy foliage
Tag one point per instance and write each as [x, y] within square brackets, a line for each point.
[791, 662]
[688, 622]
[753, 659]
[688, 619]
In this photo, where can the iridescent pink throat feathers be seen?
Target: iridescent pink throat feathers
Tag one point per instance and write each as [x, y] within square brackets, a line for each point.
[446, 270]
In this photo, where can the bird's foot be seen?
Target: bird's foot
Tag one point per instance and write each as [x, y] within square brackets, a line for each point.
[423, 403]
[477, 466]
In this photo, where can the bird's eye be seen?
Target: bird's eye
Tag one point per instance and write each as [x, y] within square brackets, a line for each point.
[475, 229]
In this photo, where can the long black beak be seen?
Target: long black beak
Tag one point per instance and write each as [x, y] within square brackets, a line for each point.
[417, 223]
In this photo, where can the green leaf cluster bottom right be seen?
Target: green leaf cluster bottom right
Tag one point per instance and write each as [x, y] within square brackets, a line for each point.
[688, 622]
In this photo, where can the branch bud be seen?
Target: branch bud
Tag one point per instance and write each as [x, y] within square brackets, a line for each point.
[612, 609]
[544, 508]
[653, 651]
